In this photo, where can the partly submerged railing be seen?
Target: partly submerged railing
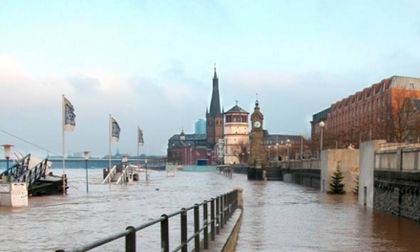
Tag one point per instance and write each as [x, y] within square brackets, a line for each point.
[221, 209]
[16, 170]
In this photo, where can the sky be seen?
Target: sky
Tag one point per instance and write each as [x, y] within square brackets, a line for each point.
[150, 64]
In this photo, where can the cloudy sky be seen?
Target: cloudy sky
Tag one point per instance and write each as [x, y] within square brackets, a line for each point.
[150, 64]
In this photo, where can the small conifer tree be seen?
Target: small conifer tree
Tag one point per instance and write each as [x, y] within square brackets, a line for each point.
[356, 185]
[337, 186]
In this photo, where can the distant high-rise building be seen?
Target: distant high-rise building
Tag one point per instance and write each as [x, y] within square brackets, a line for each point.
[200, 126]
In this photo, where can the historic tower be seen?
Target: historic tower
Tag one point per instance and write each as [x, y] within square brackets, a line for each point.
[257, 160]
[236, 135]
[214, 117]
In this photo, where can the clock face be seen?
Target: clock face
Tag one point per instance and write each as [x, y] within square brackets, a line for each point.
[257, 124]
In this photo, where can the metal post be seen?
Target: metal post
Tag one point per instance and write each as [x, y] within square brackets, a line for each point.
[206, 225]
[301, 147]
[184, 244]
[196, 228]
[217, 214]
[321, 140]
[7, 163]
[213, 220]
[164, 234]
[222, 211]
[87, 179]
[130, 240]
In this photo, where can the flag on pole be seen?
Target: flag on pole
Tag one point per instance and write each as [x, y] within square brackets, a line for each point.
[69, 115]
[115, 130]
[140, 139]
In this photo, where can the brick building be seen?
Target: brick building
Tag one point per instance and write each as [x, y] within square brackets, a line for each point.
[189, 149]
[376, 112]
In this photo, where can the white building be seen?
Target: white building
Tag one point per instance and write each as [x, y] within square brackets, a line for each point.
[236, 135]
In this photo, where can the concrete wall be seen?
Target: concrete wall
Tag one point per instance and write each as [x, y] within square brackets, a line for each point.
[397, 181]
[366, 168]
[348, 162]
[398, 193]
[404, 158]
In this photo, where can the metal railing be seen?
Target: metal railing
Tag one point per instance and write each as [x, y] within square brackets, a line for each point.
[221, 209]
[21, 172]
[17, 169]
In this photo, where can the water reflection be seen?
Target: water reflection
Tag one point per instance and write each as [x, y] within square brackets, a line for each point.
[277, 216]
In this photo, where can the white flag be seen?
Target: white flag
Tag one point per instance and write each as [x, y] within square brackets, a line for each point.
[115, 130]
[69, 115]
[140, 139]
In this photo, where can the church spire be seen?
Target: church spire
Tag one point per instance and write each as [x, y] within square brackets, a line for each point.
[215, 99]
[215, 73]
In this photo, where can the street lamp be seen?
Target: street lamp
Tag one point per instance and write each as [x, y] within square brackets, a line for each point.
[86, 157]
[277, 151]
[269, 150]
[288, 146]
[7, 149]
[321, 126]
[147, 175]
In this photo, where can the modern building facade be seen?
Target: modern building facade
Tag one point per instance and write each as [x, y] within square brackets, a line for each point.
[376, 112]
[236, 135]
[200, 126]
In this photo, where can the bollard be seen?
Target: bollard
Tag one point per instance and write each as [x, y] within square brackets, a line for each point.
[130, 240]
[212, 219]
[184, 238]
[164, 234]
[206, 226]
[196, 228]
[239, 199]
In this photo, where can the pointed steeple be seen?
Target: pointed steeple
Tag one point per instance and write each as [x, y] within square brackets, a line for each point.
[215, 99]
[215, 73]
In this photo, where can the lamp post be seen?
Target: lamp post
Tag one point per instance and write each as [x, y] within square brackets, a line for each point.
[288, 146]
[147, 175]
[7, 149]
[321, 127]
[301, 147]
[269, 150]
[86, 157]
[277, 151]
[125, 160]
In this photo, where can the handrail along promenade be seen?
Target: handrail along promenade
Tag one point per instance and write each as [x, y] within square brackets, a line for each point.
[221, 209]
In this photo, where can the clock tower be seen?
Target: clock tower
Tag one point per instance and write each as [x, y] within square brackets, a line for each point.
[257, 160]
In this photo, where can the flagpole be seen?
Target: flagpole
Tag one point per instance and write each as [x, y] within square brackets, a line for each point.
[62, 129]
[63, 143]
[138, 135]
[110, 139]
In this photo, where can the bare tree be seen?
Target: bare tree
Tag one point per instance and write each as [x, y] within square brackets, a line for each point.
[400, 121]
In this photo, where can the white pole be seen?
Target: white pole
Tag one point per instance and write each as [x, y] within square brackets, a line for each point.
[62, 128]
[137, 140]
[63, 142]
[110, 139]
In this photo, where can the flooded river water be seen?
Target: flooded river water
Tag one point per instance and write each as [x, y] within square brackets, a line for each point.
[277, 216]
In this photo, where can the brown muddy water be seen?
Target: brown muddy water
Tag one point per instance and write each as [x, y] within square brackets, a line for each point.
[277, 216]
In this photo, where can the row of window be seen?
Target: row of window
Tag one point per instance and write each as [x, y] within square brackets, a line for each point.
[237, 118]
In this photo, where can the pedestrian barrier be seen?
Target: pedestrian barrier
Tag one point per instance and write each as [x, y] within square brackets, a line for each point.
[221, 209]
